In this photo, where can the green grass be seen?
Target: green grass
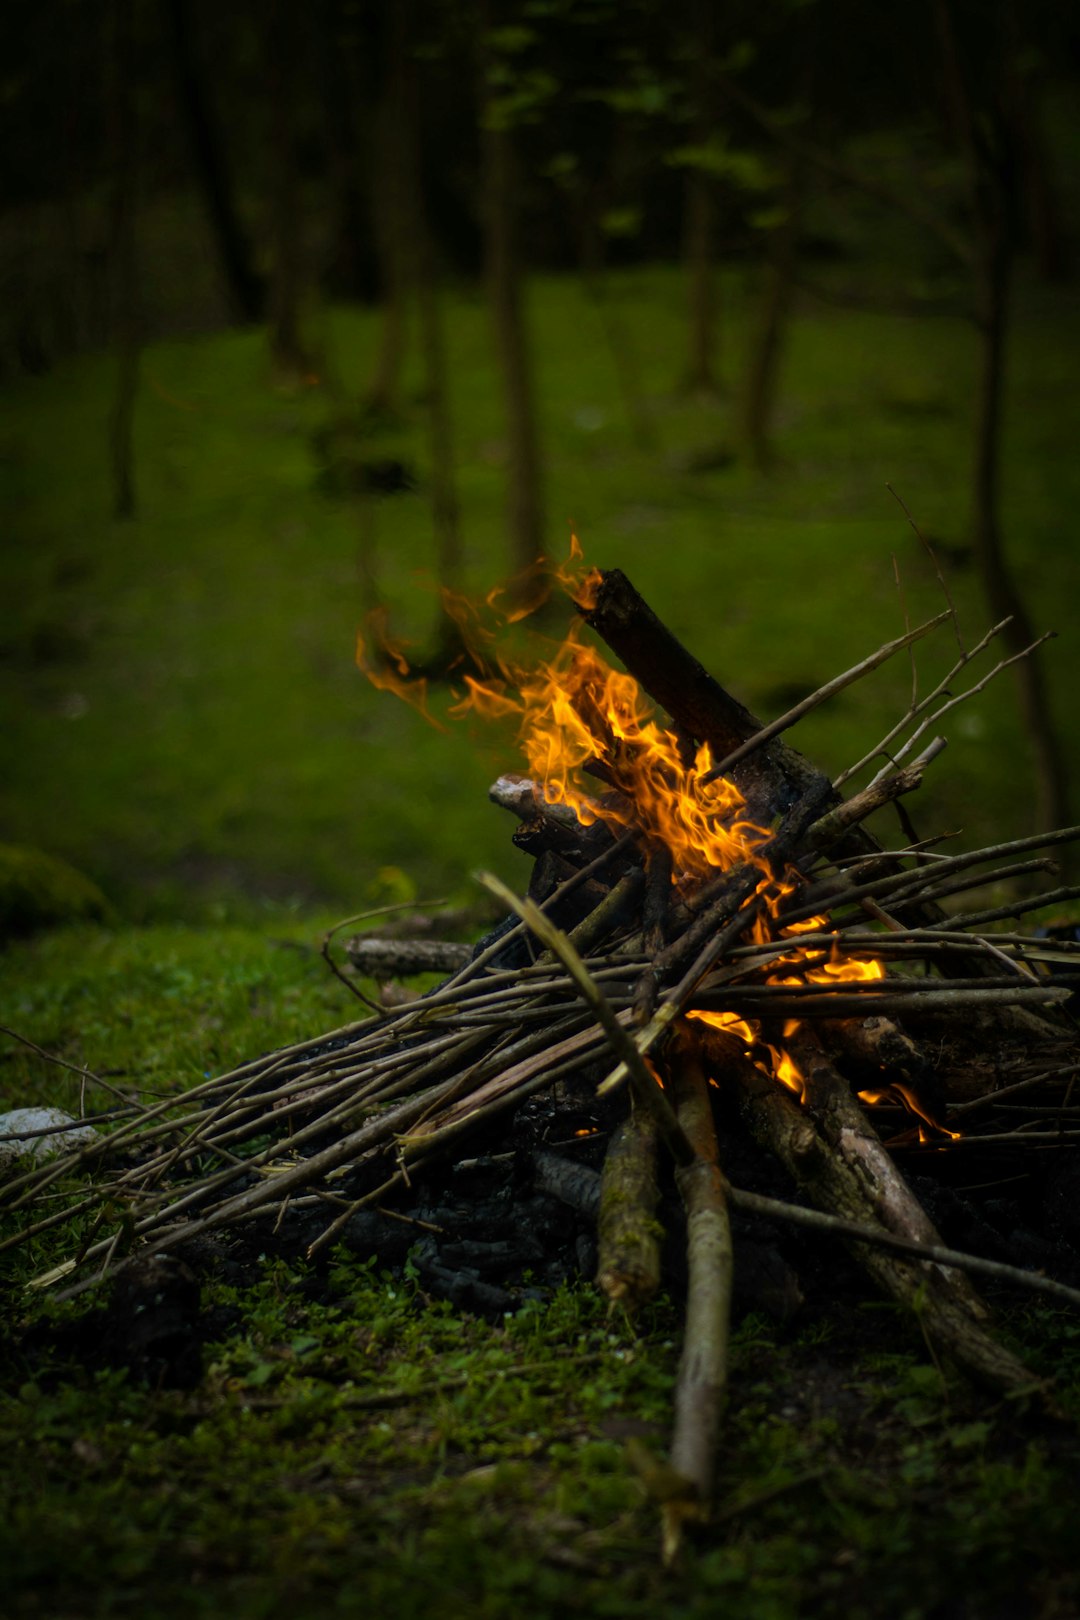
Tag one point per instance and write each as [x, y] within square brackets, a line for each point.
[179, 709]
[158, 1008]
[353, 1443]
[370, 1447]
[180, 717]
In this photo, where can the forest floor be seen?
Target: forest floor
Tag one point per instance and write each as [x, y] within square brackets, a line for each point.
[180, 716]
[180, 712]
[352, 1442]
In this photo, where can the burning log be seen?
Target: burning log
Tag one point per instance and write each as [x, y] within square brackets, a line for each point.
[773, 776]
[715, 911]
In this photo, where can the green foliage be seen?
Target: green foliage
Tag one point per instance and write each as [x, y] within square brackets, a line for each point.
[748, 170]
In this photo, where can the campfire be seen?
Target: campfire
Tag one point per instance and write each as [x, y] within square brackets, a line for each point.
[713, 946]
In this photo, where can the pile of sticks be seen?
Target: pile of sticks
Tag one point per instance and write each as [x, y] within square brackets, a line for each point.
[598, 971]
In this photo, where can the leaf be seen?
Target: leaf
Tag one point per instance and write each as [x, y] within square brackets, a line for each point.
[621, 222]
[769, 219]
[511, 39]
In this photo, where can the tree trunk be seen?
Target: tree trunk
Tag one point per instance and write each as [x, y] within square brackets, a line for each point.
[392, 208]
[421, 255]
[501, 182]
[350, 272]
[444, 502]
[763, 363]
[124, 261]
[1038, 188]
[524, 507]
[587, 206]
[990, 140]
[286, 344]
[698, 235]
[246, 292]
[1002, 595]
[699, 216]
[623, 350]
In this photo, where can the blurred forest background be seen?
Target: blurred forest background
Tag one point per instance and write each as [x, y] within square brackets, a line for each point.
[307, 309]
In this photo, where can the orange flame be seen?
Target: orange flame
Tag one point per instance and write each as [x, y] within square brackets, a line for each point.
[897, 1092]
[579, 713]
[787, 1071]
[386, 667]
[845, 969]
[727, 1023]
[491, 700]
[579, 718]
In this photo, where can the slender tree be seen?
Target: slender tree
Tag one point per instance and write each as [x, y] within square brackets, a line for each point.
[760, 380]
[700, 211]
[981, 72]
[424, 274]
[245, 288]
[392, 207]
[989, 129]
[501, 186]
[283, 41]
[125, 284]
[345, 95]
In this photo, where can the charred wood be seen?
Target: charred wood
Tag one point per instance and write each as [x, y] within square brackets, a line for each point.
[831, 1183]
[771, 778]
[774, 776]
[575, 1185]
[885, 1055]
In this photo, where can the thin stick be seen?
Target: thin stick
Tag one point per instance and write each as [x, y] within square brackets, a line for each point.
[928, 548]
[83, 1073]
[990, 1098]
[919, 885]
[822, 695]
[703, 1365]
[937, 1253]
[832, 826]
[628, 1234]
[848, 1003]
[625, 1048]
[970, 692]
[1016, 908]
[940, 690]
[477, 965]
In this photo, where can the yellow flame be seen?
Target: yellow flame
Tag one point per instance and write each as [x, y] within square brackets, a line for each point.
[727, 1023]
[787, 1071]
[492, 699]
[897, 1092]
[386, 667]
[579, 720]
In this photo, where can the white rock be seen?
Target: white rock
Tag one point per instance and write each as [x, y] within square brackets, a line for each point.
[18, 1139]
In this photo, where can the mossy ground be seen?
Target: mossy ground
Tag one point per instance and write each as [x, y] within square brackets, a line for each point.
[353, 1444]
[180, 717]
